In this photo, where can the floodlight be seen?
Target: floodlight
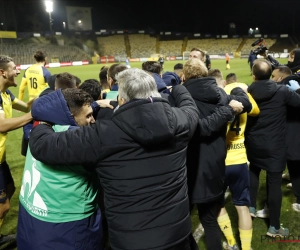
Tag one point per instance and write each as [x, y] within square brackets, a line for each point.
[49, 6]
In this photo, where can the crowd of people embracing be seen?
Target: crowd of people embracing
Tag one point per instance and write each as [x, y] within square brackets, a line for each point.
[126, 173]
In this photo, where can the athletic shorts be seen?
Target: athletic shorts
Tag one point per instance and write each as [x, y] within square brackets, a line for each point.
[5, 179]
[237, 179]
[35, 234]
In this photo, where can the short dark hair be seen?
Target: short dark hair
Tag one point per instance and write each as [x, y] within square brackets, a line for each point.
[231, 77]
[76, 98]
[203, 53]
[40, 56]
[178, 66]
[103, 74]
[114, 69]
[65, 80]
[262, 69]
[152, 66]
[91, 86]
[284, 70]
[4, 60]
[215, 73]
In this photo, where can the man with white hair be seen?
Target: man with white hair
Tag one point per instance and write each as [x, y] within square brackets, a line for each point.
[140, 157]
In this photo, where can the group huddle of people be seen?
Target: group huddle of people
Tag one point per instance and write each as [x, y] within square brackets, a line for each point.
[125, 173]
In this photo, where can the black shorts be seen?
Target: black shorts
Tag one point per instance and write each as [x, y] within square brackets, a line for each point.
[5, 179]
[237, 179]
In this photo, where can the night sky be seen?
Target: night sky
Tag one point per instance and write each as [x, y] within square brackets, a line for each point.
[197, 16]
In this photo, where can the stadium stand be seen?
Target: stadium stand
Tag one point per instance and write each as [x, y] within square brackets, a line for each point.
[78, 47]
[282, 44]
[248, 44]
[172, 48]
[23, 53]
[142, 45]
[215, 46]
[112, 46]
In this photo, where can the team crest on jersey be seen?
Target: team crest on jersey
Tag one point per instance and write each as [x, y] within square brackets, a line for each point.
[31, 198]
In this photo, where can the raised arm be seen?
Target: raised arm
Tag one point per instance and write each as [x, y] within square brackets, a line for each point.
[240, 95]
[184, 101]
[22, 88]
[255, 109]
[75, 146]
[23, 106]
[8, 124]
[216, 121]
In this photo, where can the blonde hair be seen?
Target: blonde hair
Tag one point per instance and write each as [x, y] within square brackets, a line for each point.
[194, 68]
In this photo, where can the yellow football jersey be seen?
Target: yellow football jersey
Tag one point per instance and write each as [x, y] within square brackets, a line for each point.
[6, 101]
[236, 151]
[36, 79]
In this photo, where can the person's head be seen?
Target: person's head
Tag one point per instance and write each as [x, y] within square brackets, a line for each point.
[79, 103]
[92, 86]
[78, 81]
[65, 80]
[8, 71]
[194, 68]
[103, 77]
[217, 74]
[51, 81]
[198, 53]
[230, 78]
[113, 70]
[40, 56]
[261, 70]
[178, 69]
[152, 66]
[135, 84]
[280, 72]
[294, 58]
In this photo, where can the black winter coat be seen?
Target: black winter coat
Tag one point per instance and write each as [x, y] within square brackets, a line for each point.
[293, 126]
[206, 154]
[265, 136]
[140, 156]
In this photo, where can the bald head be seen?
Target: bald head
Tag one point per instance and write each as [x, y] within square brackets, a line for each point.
[262, 69]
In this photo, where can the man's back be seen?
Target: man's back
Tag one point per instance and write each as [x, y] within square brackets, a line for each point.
[266, 133]
[36, 79]
[140, 155]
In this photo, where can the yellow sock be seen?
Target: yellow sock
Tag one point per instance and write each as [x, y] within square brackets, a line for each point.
[225, 225]
[246, 237]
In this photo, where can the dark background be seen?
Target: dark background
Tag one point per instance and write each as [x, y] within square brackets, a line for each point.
[210, 17]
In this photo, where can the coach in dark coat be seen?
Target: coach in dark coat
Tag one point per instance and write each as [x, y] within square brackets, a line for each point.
[206, 154]
[140, 156]
[293, 125]
[266, 136]
[292, 133]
